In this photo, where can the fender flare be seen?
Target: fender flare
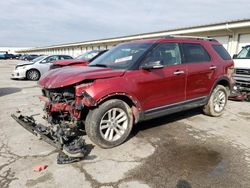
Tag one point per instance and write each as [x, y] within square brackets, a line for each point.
[223, 78]
[134, 100]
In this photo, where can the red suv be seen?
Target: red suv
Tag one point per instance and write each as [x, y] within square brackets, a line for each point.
[137, 81]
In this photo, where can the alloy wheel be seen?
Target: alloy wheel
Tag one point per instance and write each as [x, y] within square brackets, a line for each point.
[33, 75]
[219, 101]
[113, 124]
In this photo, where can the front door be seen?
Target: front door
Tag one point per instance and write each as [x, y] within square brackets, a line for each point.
[158, 87]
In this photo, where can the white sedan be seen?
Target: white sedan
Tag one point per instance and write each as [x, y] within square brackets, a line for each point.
[33, 70]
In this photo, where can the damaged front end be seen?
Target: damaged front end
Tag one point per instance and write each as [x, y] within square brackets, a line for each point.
[67, 95]
[64, 112]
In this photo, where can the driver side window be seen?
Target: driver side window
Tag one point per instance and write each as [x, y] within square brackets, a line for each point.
[166, 53]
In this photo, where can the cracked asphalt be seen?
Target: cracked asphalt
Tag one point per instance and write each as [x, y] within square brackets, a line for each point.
[184, 150]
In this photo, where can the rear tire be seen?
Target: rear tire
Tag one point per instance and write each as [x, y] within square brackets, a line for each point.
[217, 102]
[109, 124]
[33, 74]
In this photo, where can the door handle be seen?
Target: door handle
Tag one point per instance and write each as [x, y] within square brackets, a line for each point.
[178, 72]
[212, 67]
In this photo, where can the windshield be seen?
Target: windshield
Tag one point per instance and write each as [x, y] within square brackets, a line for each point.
[88, 55]
[39, 58]
[122, 56]
[244, 53]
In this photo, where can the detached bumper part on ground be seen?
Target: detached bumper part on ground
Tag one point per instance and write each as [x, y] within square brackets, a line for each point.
[239, 95]
[71, 149]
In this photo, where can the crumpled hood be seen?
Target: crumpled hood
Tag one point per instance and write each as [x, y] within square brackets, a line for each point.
[69, 62]
[22, 63]
[242, 63]
[62, 77]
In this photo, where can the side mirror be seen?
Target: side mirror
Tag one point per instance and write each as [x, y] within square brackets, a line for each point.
[152, 65]
[235, 56]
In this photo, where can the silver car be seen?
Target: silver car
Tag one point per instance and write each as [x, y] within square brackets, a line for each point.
[33, 70]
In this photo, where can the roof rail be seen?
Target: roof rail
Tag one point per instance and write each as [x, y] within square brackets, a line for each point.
[190, 37]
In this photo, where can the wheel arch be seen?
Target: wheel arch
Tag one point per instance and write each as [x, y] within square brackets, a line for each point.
[128, 99]
[222, 81]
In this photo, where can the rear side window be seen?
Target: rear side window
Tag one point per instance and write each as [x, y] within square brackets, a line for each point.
[52, 58]
[65, 57]
[195, 53]
[222, 52]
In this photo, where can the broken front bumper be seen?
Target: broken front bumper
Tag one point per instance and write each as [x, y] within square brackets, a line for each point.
[39, 130]
[74, 148]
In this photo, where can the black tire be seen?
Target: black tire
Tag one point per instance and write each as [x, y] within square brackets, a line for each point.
[33, 75]
[248, 98]
[215, 105]
[95, 130]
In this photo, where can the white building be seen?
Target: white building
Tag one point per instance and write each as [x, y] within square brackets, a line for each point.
[12, 50]
[233, 35]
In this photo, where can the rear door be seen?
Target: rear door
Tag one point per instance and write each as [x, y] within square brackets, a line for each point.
[63, 57]
[201, 72]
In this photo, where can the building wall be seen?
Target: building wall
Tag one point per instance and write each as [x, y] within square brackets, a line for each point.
[232, 35]
[232, 40]
[11, 50]
[74, 50]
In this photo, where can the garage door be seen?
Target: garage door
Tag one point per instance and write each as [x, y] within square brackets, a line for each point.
[243, 41]
[223, 40]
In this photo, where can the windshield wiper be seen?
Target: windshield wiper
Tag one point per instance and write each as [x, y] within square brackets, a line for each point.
[98, 65]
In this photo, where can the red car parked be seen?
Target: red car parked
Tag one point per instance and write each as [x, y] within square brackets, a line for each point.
[81, 60]
[133, 82]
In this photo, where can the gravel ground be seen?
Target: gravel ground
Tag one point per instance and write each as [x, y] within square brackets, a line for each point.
[183, 150]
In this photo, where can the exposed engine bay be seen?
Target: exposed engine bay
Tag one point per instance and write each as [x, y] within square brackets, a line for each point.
[66, 105]
[66, 129]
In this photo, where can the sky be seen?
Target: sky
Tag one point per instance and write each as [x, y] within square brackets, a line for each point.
[33, 23]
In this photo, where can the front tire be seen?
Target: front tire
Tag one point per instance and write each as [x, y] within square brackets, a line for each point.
[109, 124]
[33, 75]
[217, 102]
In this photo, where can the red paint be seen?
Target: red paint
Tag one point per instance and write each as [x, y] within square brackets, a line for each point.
[70, 75]
[71, 62]
[44, 99]
[146, 88]
[39, 168]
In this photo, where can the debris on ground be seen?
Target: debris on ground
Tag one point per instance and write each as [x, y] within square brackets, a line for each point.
[39, 168]
[65, 159]
[70, 144]
[238, 95]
